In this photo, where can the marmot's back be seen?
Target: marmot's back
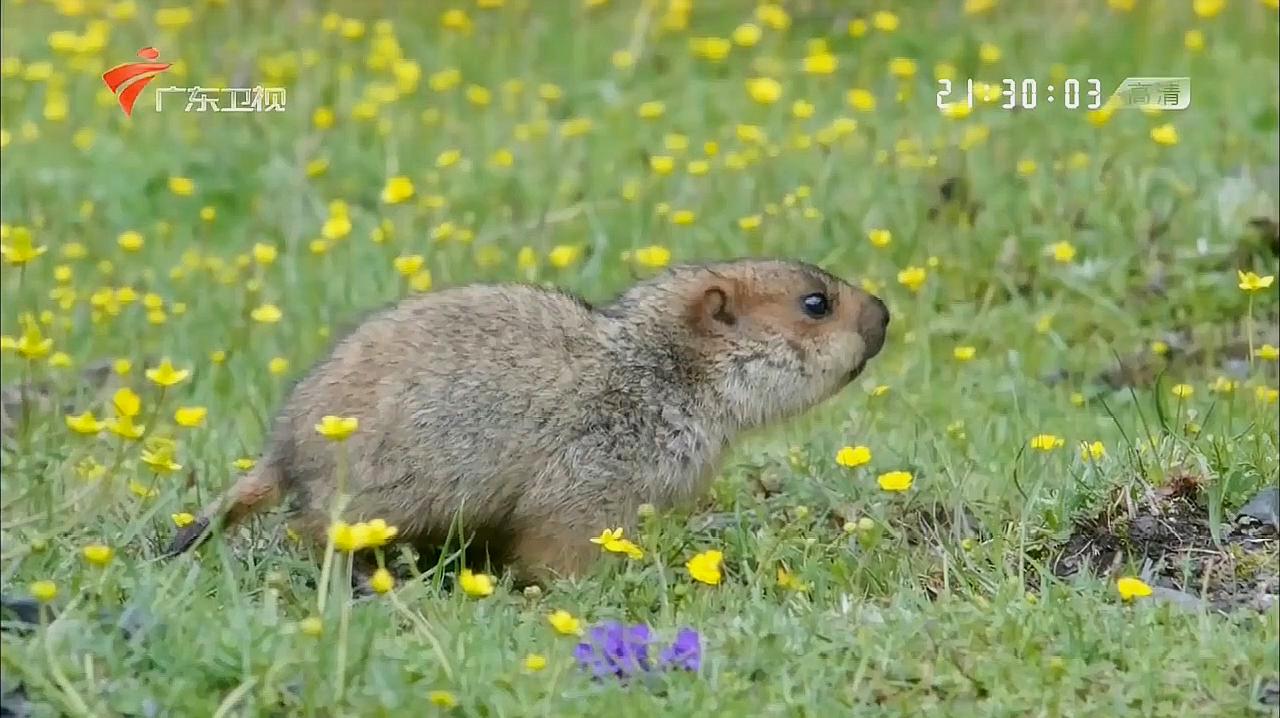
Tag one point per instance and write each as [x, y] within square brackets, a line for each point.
[454, 391]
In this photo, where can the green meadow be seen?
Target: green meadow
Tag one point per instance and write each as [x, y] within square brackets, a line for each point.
[1029, 505]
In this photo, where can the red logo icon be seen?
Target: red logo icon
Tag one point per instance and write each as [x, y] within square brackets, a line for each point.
[140, 73]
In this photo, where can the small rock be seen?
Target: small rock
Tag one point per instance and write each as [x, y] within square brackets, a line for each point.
[1269, 694]
[1178, 598]
[1264, 507]
[13, 701]
[19, 613]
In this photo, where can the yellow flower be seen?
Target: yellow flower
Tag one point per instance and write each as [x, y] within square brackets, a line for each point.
[322, 118]
[989, 53]
[97, 554]
[622, 59]
[956, 110]
[535, 662]
[651, 110]
[857, 27]
[903, 68]
[190, 416]
[1131, 588]
[182, 519]
[1121, 5]
[565, 623]
[861, 100]
[278, 366]
[683, 217]
[788, 580]
[611, 540]
[912, 278]
[1193, 40]
[159, 456]
[124, 427]
[564, 255]
[182, 186]
[44, 591]
[337, 428]
[1251, 282]
[421, 282]
[378, 533]
[1267, 352]
[746, 34]
[130, 241]
[978, 7]
[348, 537]
[880, 237]
[705, 567]
[822, 63]
[85, 424]
[33, 344]
[1159, 348]
[443, 699]
[243, 464]
[607, 535]
[22, 250]
[714, 49]
[773, 15]
[802, 109]
[408, 265]
[764, 90]
[1208, 8]
[1026, 167]
[476, 585]
[653, 257]
[1094, 450]
[266, 314]
[1165, 134]
[884, 21]
[852, 457]
[576, 126]
[1266, 395]
[311, 626]
[1046, 442]
[895, 481]
[1063, 252]
[264, 254]
[397, 190]
[964, 353]
[1183, 391]
[381, 581]
[166, 375]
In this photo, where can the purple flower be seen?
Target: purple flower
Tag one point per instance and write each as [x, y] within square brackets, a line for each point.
[613, 649]
[685, 652]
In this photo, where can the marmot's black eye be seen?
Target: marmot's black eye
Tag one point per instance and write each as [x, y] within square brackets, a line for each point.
[816, 305]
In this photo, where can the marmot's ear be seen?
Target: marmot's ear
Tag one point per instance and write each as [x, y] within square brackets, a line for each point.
[715, 308]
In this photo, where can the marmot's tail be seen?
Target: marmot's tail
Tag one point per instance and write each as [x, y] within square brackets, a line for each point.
[255, 491]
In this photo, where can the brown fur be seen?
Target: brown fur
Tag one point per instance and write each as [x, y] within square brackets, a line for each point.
[537, 421]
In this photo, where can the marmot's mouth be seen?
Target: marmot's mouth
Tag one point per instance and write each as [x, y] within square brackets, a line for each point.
[857, 370]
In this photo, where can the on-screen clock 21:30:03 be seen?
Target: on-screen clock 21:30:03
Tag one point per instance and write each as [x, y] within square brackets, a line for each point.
[1026, 93]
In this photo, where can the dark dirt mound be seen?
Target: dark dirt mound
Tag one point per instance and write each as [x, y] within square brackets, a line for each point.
[1167, 534]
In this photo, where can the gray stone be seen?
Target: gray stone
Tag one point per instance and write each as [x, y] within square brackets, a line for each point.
[1264, 507]
[1178, 598]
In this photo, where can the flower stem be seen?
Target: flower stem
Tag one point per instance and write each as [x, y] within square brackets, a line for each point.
[343, 628]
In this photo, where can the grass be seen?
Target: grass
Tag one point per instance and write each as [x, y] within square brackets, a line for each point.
[902, 616]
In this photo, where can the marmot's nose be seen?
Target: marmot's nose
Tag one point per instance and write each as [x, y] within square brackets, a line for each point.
[884, 311]
[873, 324]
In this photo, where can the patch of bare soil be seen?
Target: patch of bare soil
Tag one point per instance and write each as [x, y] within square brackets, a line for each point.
[1167, 534]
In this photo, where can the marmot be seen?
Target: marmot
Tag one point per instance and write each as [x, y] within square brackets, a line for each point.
[534, 421]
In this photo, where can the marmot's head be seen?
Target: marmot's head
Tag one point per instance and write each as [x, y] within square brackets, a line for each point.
[772, 338]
